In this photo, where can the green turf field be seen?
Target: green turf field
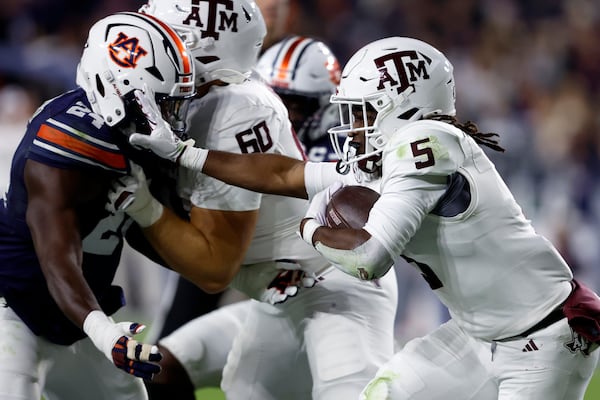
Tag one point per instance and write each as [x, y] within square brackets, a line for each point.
[593, 392]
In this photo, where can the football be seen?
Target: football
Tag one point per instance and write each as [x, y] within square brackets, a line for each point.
[349, 207]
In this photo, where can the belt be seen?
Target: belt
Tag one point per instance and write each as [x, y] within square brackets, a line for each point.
[553, 317]
[556, 315]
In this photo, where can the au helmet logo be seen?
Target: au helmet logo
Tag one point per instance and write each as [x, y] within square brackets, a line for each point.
[126, 51]
[217, 20]
[401, 69]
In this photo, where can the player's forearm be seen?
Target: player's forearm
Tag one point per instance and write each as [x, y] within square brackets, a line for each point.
[265, 173]
[60, 256]
[189, 252]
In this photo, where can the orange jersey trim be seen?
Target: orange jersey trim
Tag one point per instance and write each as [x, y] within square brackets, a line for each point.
[86, 150]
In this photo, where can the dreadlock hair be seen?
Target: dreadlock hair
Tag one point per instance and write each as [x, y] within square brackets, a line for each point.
[486, 139]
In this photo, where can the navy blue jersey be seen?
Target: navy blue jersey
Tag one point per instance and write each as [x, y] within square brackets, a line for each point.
[64, 133]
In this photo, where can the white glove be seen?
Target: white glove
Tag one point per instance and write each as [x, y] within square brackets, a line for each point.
[130, 194]
[286, 284]
[162, 141]
[316, 211]
[114, 340]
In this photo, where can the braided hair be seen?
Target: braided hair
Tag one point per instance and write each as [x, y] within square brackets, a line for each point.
[486, 139]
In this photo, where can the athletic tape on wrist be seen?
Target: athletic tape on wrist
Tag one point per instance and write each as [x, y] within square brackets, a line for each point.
[193, 158]
[308, 231]
[95, 325]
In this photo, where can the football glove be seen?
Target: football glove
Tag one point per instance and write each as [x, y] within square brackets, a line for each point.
[116, 343]
[162, 141]
[315, 215]
[130, 194]
[286, 284]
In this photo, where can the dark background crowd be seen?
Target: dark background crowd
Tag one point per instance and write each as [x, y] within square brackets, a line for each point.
[528, 70]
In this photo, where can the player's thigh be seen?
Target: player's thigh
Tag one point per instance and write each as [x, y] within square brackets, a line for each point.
[201, 346]
[441, 365]
[266, 361]
[20, 377]
[349, 334]
[81, 371]
[549, 364]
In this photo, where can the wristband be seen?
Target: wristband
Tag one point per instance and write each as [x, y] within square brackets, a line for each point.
[193, 158]
[308, 230]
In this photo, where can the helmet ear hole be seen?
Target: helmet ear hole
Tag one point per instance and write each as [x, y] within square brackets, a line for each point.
[99, 86]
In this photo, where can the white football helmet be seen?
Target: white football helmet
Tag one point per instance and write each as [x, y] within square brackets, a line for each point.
[128, 51]
[301, 66]
[401, 80]
[225, 37]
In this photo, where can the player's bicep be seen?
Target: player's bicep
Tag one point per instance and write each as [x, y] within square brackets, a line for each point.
[51, 193]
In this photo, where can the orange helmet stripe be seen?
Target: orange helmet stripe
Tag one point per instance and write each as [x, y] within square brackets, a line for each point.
[283, 68]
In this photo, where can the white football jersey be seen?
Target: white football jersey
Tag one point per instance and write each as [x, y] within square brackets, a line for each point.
[249, 118]
[472, 243]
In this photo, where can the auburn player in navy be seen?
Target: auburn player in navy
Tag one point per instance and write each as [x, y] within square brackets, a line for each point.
[59, 246]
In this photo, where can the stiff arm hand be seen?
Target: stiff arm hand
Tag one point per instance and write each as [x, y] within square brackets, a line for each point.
[115, 341]
[162, 141]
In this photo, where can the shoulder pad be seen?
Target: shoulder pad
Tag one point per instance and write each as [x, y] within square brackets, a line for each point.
[424, 148]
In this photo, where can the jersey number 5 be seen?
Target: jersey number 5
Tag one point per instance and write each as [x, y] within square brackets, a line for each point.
[419, 150]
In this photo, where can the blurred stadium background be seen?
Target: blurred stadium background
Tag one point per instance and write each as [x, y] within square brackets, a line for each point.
[529, 71]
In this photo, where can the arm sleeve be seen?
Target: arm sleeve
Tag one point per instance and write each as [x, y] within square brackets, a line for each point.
[320, 175]
[368, 261]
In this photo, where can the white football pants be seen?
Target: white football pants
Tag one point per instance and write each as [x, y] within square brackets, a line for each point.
[326, 343]
[30, 366]
[449, 364]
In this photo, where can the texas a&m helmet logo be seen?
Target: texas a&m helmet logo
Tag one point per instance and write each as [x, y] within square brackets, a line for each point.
[218, 17]
[126, 51]
[401, 69]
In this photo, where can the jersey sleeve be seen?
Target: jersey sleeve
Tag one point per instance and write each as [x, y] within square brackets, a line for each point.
[75, 138]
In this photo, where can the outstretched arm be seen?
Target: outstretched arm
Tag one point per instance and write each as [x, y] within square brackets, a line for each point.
[265, 173]
[260, 172]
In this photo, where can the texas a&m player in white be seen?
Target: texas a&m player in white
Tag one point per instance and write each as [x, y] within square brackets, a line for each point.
[445, 209]
[324, 342]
